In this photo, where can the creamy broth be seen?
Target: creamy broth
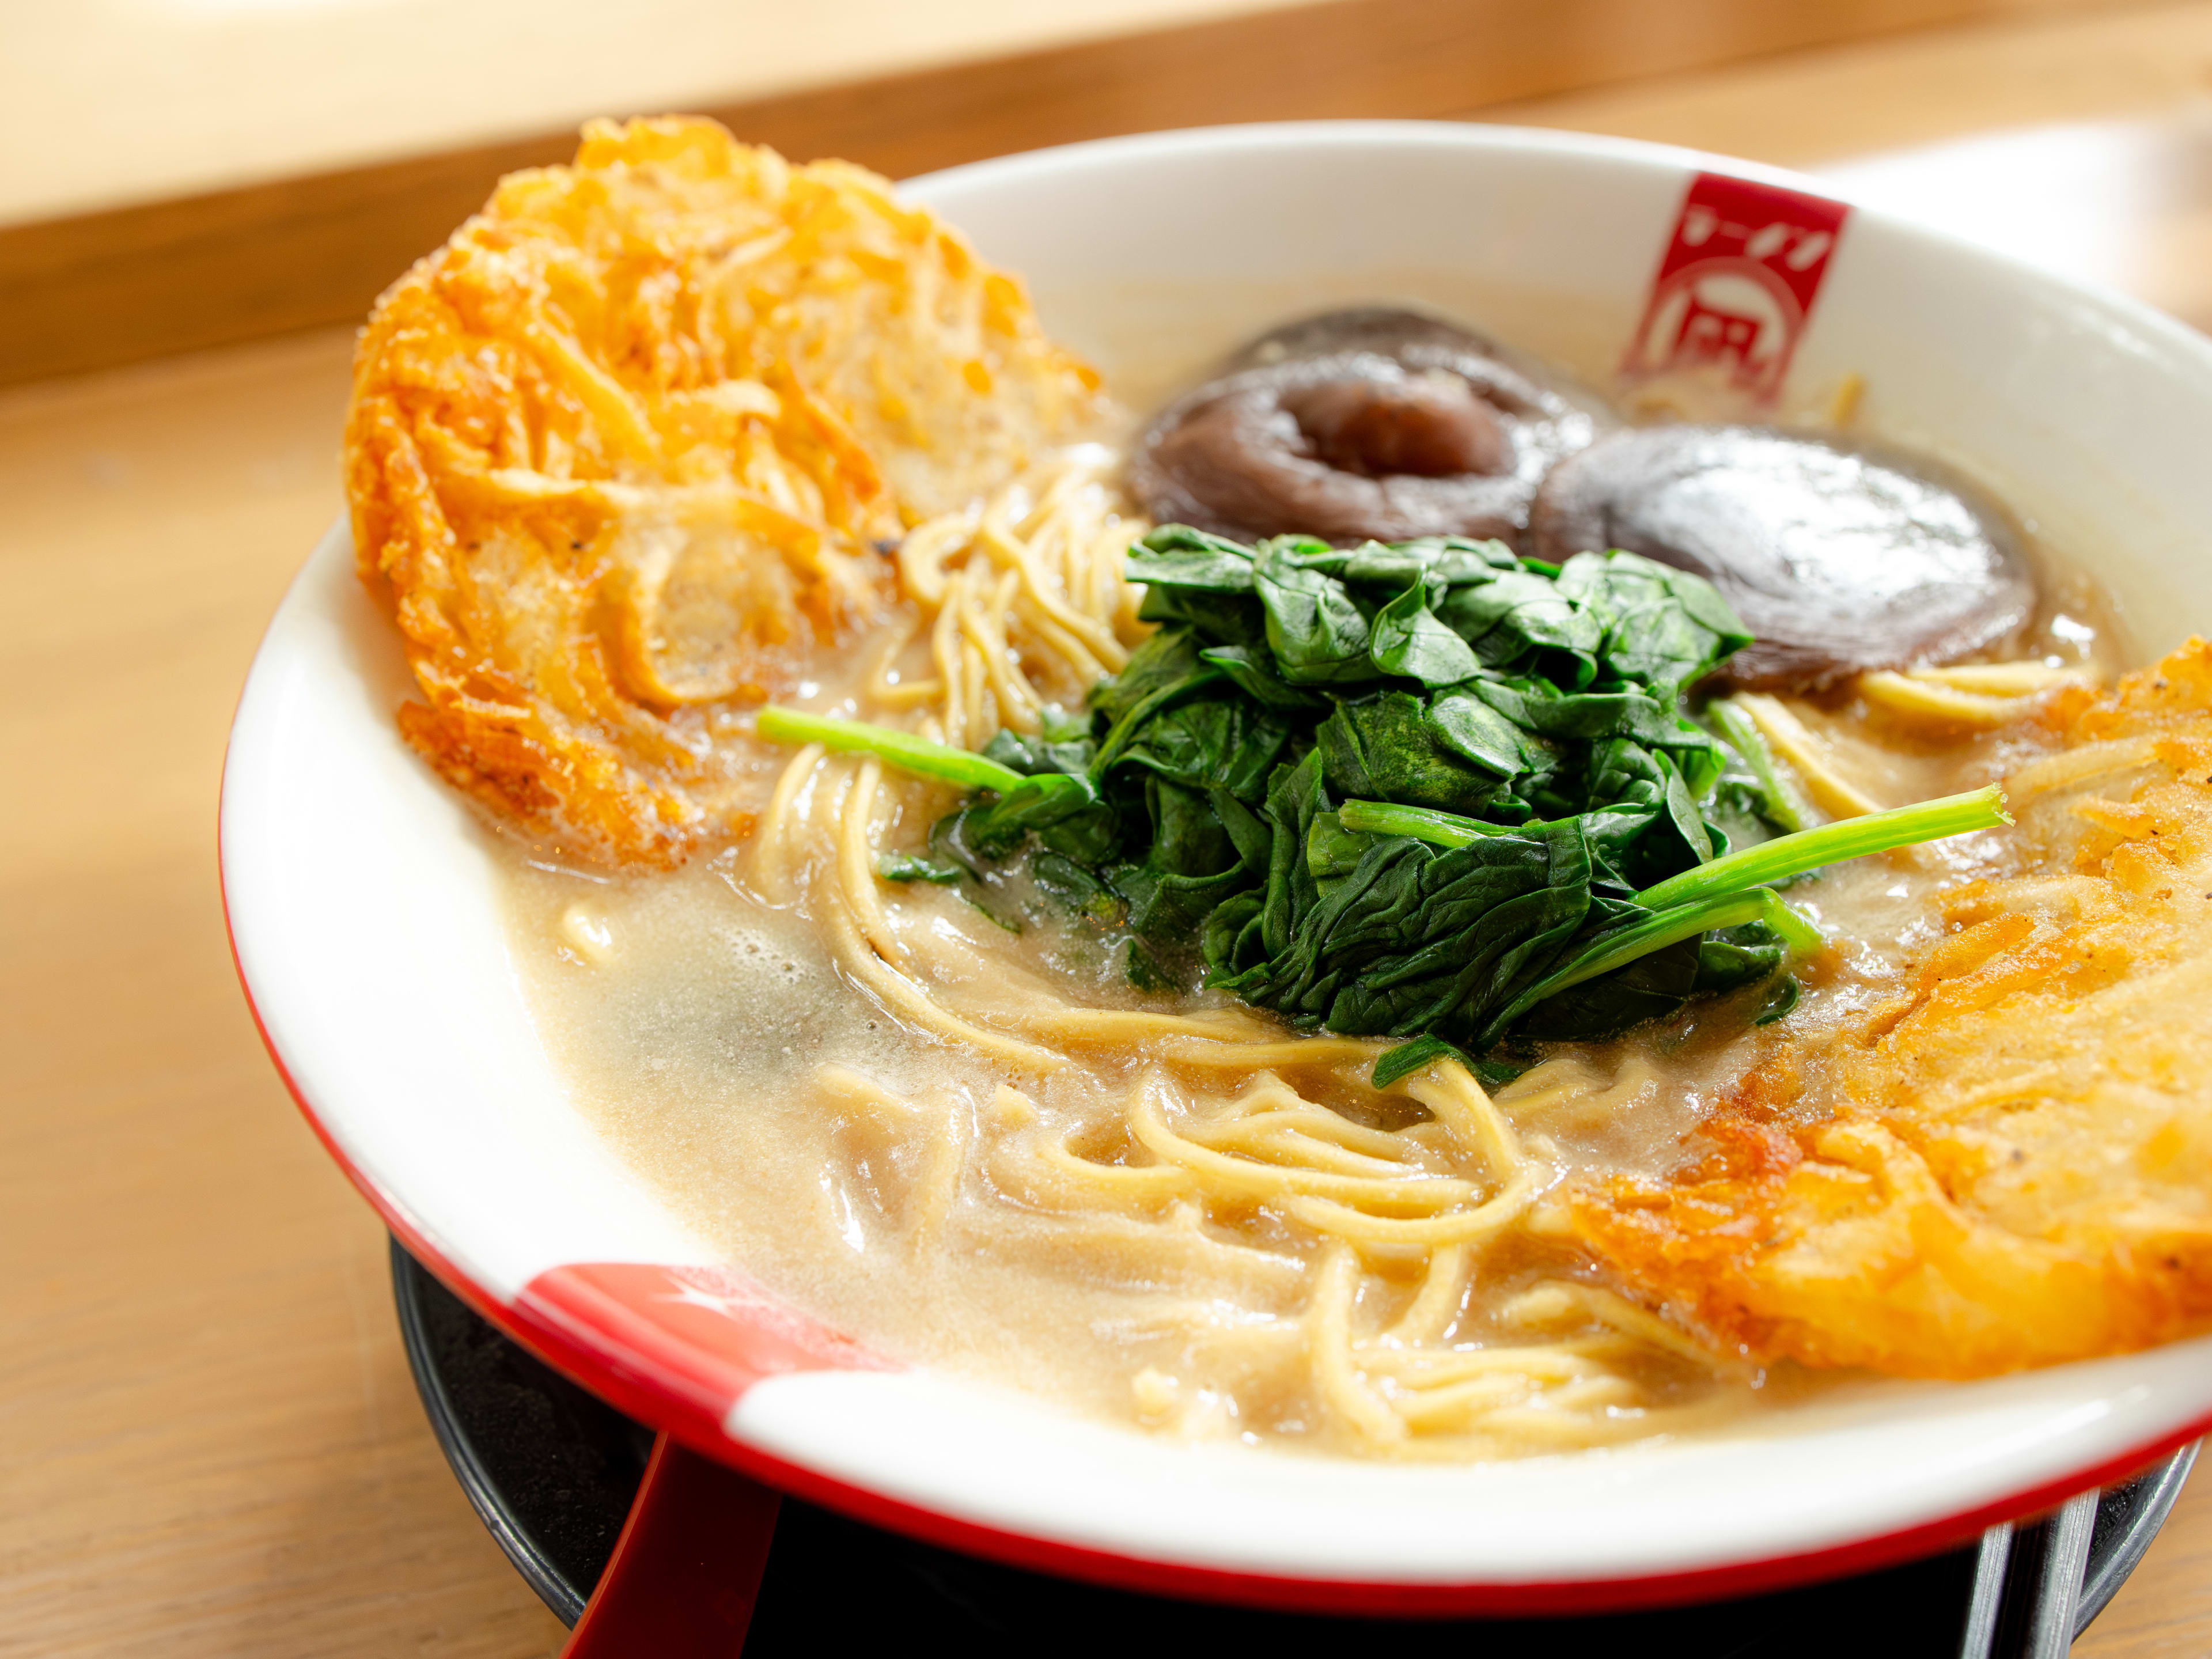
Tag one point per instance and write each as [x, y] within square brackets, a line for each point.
[954, 1206]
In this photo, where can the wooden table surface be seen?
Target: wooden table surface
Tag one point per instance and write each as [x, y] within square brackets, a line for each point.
[211, 1444]
[208, 93]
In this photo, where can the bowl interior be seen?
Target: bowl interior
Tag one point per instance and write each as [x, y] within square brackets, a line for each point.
[370, 936]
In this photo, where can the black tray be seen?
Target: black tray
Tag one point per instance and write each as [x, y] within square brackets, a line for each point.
[552, 1469]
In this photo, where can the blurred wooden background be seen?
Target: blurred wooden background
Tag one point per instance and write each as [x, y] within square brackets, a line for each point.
[207, 267]
[214, 1448]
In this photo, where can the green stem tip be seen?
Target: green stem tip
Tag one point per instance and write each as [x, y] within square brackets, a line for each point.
[902, 748]
[1383, 817]
[1833, 843]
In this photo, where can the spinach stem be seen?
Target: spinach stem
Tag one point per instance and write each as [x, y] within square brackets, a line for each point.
[902, 748]
[1383, 817]
[1832, 843]
[1735, 727]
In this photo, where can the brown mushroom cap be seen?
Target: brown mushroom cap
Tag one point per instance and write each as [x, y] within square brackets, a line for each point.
[1369, 422]
[1838, 557]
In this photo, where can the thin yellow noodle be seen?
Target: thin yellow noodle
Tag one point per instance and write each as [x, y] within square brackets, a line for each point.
[1052, 543]
[977, 673]
[1106, 1240]
[773, 860]
[1108, 549]
[1094, 633]
[1331, 1051]
[901, 694]
[1123, 1025]
[922, 554]
[1082, 469]
[1097, 553]
[1443, 1288]
[843, 1084]
[1448, 1089]
[856, 863]
[944, 647]
[1143, 1183]
[1548, 1362]
[1604, 1392]
[1938, 706]
[1808, 755]
[2022, 678]
[1012, 1107]
[1456, 1404]
[902, 996]
[1018, 702]
[1033, 578]
[940, 1185]
[1082, 666]
[1219, 1172]
[1608, 1308]
[1320, 1124]
[1574, 1096]
[1093, 550]
[1329, 1319]
[1485, 1221]
[1041, 510]
[908, 694]
[1270, 1142]
[1562, 1077]
[1536, 1418]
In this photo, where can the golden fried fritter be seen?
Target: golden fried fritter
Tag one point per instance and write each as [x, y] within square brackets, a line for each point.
[620, 452]
[2010, 1163]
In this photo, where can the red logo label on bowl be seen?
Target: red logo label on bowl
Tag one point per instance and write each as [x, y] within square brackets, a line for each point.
[1736, 285]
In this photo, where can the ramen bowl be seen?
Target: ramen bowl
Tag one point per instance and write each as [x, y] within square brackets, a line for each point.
[366, 916]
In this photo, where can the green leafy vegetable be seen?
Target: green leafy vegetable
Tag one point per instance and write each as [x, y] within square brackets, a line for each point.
[1428, 790]
[1408, 1058]
[1318, 634]
[902, 866]
[1388, 745]
[1408, 639]
[1778, 1001]
[1664, 628]
[1622, 945]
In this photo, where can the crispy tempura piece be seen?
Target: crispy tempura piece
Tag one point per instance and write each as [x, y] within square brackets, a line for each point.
[2009, 1163]
[623, 448]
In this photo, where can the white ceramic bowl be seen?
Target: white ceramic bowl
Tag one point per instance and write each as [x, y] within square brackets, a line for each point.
[361, 905]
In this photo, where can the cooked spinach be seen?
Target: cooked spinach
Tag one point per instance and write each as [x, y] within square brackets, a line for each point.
[904, 867]
[1428, 790]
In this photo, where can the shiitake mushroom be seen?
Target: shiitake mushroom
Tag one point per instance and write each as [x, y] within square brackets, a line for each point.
[1839, 557]
[1384, 424]
[1371, 422]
